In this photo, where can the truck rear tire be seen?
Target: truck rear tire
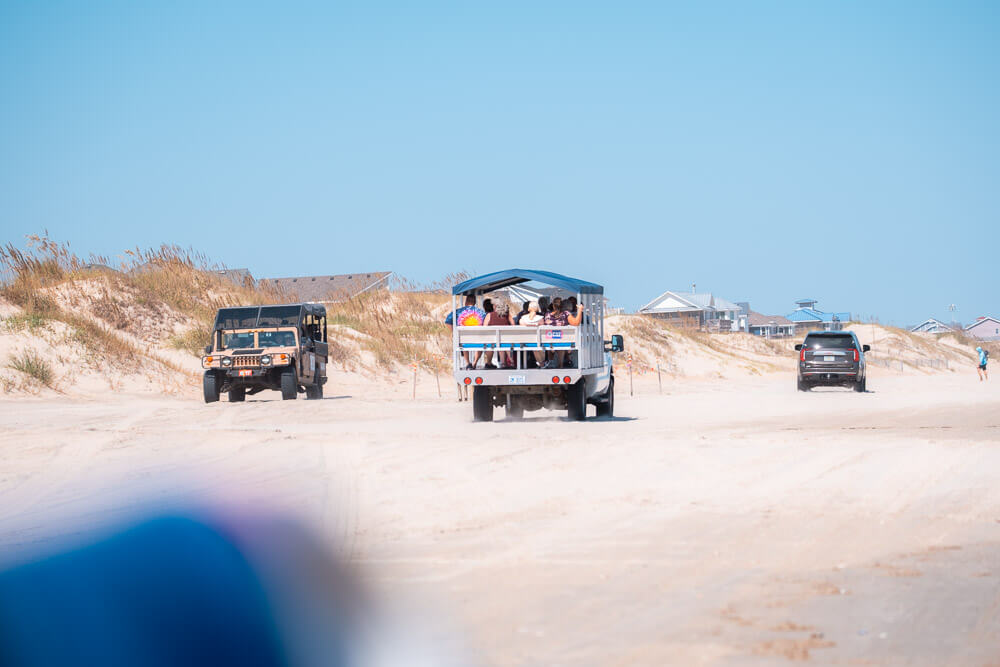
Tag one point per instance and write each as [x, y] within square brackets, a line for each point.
[515, 409]
[576, 401]
[607, 407]
[482, 404]
[289, 385]
[237, 394]
[210, 387]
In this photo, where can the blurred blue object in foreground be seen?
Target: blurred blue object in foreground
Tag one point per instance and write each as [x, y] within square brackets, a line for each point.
[171, 591]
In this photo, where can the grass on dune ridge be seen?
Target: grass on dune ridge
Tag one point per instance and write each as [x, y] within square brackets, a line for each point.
[149, 291]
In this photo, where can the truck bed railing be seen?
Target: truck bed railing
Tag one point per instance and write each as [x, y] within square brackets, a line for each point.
[517, 338]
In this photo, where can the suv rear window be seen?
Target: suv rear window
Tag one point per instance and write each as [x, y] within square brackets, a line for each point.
[841, 342]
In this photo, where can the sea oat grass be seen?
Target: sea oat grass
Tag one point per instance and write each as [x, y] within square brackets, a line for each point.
[32, 365]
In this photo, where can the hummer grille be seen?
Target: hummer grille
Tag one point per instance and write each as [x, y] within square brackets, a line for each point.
[243, 361]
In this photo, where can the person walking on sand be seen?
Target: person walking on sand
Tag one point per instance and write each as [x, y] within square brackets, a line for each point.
[984, 356]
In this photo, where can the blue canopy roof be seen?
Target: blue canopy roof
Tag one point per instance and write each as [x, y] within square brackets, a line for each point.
[500, 279]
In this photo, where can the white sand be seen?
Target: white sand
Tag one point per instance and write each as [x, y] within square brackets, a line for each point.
[720, 523]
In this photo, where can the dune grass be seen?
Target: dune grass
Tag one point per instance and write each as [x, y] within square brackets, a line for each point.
[32, 365]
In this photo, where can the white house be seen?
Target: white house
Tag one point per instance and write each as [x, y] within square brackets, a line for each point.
[695, 310]
[984, 328]
[932, 326]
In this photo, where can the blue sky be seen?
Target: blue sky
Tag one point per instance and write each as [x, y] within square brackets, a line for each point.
[846, 151]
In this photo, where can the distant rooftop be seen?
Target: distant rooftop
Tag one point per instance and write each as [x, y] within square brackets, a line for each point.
[330, 288]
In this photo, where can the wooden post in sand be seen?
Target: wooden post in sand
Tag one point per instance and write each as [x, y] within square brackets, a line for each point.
[659, 380]
[630, 375]
[437, 379]
[414, 380]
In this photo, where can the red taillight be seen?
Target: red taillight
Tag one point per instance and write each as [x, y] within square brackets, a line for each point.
[857, 357]
[567, 379]
[802, 353]
[479, 380]
[555, 379]
[468, 380]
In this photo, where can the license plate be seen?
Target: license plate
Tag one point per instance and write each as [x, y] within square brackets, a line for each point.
[246, 374]
[828, 358]
[515, 379]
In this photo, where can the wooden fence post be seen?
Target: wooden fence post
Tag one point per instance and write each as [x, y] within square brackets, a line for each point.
[659, 380]
[630, 393]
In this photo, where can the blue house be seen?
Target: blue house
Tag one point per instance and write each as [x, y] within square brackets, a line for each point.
[809, 318]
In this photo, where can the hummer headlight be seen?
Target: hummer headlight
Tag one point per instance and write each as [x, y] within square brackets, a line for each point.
[227, 361]
[265, 359]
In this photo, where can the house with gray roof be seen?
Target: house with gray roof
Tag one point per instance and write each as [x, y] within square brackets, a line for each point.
[932, 326]
[328, 289]
[769, 326]
[694, 310]
[984, 328]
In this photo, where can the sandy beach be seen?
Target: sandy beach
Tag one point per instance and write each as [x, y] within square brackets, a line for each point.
[722, 522]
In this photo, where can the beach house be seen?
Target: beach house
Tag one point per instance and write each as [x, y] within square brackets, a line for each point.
[984, 328]
[807, 317]
[694, 310]
[932, 326]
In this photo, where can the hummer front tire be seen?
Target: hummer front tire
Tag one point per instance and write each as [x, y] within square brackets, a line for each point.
[289, 385]
[210, 387]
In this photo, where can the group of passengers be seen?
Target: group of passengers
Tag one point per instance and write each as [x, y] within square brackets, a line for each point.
[544, 312]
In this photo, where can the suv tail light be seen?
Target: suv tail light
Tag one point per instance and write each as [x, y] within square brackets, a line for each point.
[857, 357]
[802, 353]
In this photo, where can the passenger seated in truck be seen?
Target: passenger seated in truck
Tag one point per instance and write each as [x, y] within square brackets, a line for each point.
[524, 311]
[574, 312]
[469, 316]
[574, 315]
[556, 317]
[495, 319]
[533, 319]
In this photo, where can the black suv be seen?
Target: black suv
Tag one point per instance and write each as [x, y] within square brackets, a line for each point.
[831, 358]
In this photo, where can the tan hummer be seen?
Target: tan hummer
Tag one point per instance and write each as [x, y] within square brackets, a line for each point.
[254, 348]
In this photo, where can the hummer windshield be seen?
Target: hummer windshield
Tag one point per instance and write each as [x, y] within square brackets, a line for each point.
[236, 340]
[276, 338]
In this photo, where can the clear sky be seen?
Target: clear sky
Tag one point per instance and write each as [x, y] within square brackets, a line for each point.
[846, 151]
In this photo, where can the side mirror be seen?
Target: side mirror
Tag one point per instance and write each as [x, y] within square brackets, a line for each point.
[208, 348]
[617, 343]
[866, 348]
[798, 347]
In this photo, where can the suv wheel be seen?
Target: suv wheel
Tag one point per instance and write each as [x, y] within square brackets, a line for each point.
[289, 385]
[576, 401]
[210, 386]
[237, 394]
[607, 407]
[859, 386]
[801, 386]
[482, 404]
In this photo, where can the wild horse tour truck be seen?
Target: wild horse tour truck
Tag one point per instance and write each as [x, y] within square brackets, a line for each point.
[539, 362]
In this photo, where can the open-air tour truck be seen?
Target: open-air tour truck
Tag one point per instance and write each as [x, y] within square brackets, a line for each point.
[585, 376]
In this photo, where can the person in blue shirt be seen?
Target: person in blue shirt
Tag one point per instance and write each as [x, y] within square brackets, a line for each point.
[983, 358]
